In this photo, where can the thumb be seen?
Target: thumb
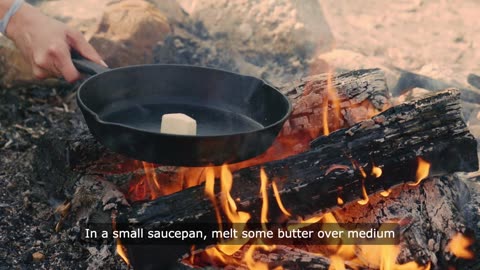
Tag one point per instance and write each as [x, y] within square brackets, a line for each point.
[78, 42]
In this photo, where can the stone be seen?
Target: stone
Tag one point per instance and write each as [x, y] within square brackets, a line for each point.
[285, 26]
[38, 256]
[128, 32]
[14, 68]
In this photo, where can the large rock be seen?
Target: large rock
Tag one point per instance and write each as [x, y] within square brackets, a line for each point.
[274, 40]
[275, 26]
[124, 32]
[13, 67]
[128, 31]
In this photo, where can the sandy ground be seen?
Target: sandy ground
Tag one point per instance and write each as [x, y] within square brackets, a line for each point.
[437, 38]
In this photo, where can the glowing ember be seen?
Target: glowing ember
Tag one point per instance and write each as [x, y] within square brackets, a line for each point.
[423, 170]
[459, 246]
[279, 200]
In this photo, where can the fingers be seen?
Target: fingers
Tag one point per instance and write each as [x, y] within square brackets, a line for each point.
[55, 58]
[56, 61]
[63, 63]
[78, 42]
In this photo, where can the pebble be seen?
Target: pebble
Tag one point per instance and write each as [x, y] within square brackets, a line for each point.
[431, 244]
[38, 256]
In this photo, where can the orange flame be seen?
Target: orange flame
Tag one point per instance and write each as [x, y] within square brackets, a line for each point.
[459, 246]
[279, 200]
[376, 171]
[386, 193]
[423, 170]
[237, 218]
[336, 263]
[210, 192]
[121, 251]
[331, 95]
[250, 261]
[365, 199]
[263, 192]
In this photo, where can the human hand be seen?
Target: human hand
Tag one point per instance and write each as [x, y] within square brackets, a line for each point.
[46, 44]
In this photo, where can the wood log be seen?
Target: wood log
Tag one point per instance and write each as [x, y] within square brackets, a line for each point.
[431, 128]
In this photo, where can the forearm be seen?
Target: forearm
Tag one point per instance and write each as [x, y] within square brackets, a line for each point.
[4, 6]
[19, 19]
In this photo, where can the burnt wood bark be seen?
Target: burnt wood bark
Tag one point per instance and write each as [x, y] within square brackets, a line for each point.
[431, 128]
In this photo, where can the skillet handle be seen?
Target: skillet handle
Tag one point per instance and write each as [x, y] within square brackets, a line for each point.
[86, 66]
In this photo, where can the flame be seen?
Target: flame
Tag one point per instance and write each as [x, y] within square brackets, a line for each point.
[210, 193]
[459, 245]
[423, 170]
[331, 95]
[365, 199]
[122, 252]
[339, 201]
[192, 255]
[376, 171]
[370, 256]
[279, 200]
[263, 192]
[237, 218]
[386, 193]
[250, 261]
[336, 263]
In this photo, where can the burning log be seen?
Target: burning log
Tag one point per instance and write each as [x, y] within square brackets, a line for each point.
[374, 155]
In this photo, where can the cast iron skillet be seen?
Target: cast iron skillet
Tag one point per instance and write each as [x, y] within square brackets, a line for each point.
[238, 117]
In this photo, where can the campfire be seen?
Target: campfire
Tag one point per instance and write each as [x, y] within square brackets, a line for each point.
[356, 178]
[318, 179]
[372, 162]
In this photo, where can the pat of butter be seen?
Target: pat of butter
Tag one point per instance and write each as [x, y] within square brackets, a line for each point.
[178, 123]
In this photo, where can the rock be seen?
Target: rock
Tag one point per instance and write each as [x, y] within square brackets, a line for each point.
[474, 80]
[171, 9]
[38, 256]
[273, 40]
[82, 15]
[128, 32]
[285, 26]
[13, 67]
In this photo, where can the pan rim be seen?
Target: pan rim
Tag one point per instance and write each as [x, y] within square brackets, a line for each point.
[128, 127]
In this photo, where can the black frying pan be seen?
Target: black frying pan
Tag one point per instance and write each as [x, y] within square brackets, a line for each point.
[238, 117]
